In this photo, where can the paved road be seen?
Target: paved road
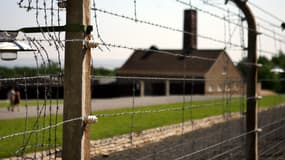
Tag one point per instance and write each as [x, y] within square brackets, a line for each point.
[105, 104]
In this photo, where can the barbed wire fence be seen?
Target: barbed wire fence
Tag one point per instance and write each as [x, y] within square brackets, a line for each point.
[38, 135]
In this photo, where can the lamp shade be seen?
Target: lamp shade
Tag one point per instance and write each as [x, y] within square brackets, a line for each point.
[277, 70]
[9, 55]
[10, 49]
[61, 3]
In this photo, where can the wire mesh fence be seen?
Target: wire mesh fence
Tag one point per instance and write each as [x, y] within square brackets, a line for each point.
[134, 126]
[156, 114]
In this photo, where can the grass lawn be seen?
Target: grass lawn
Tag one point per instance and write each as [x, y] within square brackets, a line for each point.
[111, 126]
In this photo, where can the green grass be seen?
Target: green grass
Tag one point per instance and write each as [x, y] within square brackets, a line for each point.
[10, 146]
[5, 103]
[111, 126]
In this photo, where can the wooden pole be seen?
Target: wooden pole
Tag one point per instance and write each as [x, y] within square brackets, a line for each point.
[76, 84]
[251, 112]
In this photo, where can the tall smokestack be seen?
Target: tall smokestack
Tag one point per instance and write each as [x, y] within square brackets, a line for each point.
[190, 26]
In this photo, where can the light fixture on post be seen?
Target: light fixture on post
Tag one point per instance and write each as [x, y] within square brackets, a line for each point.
[277, 70]
[9, 47]
[61, 3]
[283, 26]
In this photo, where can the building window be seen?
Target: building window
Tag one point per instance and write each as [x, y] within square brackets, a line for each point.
[224, 71]
[219, 88]
[210, 88]
[235, 87]
[227, 88]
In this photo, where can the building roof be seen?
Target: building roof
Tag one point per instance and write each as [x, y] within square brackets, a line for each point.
[154, 64]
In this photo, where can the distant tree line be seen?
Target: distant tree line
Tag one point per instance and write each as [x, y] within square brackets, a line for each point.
[51, 68]
[103, 71]
[269, 80]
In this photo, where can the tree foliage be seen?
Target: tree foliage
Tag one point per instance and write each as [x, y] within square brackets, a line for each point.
[103, 71]
[44, 69]
[51, 68]
[268, 79]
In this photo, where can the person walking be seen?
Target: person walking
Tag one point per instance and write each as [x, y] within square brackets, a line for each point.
[17, 99]
[11, 98]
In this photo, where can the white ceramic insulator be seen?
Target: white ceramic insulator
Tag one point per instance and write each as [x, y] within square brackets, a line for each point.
[259, 97]
[258, 130]
[91, 119]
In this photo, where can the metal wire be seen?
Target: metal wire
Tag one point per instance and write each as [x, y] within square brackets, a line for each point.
[26, 117]
[215, 145]
[271, 148]
[272, 131]
[223, 18]
[225, 152]
[40, 129]
[56, 41]
[160, 26]
[135, 9]
[178, 145]
[241, 17]
[97, 27]
[159, 110]
[132, 124]
[264, 11]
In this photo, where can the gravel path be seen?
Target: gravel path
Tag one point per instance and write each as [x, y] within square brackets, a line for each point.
[105, 104]
[214, 143]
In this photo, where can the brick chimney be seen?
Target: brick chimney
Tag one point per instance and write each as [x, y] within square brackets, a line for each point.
[190, 25]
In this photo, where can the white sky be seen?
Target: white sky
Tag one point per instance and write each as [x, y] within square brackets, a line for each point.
[124, 32]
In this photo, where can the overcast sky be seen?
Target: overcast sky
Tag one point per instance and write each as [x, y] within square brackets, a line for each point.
[165, 12]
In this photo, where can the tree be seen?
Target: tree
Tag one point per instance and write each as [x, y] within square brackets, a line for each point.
[51, 68]
[104, 71]
[268, 79]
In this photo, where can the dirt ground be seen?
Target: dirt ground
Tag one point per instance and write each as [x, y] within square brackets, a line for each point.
[220, 142]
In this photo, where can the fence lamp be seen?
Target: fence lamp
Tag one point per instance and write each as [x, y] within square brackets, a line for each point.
[9, 47]
[277, 70]
[283, 26]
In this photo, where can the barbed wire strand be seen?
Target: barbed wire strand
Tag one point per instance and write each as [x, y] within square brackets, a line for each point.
[113, 45]
[172, 147]
[237, 101]
[265, 11]
[208, 3]
[226, 141]
[26, 116]
[204, 11]
[42, 8]
[225, 152]
[211, 146]
[97, 28]
[132, 115]
[241, 17]
[57, 111]
[275, 153]
[222, 18]
[135, 9]
[215, 145]
[43, 135]
[271, 148]
[50, 116]
[272, 131]
[183, 105]
[40, 129]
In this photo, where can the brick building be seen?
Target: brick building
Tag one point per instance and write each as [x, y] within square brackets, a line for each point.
[212, 69]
